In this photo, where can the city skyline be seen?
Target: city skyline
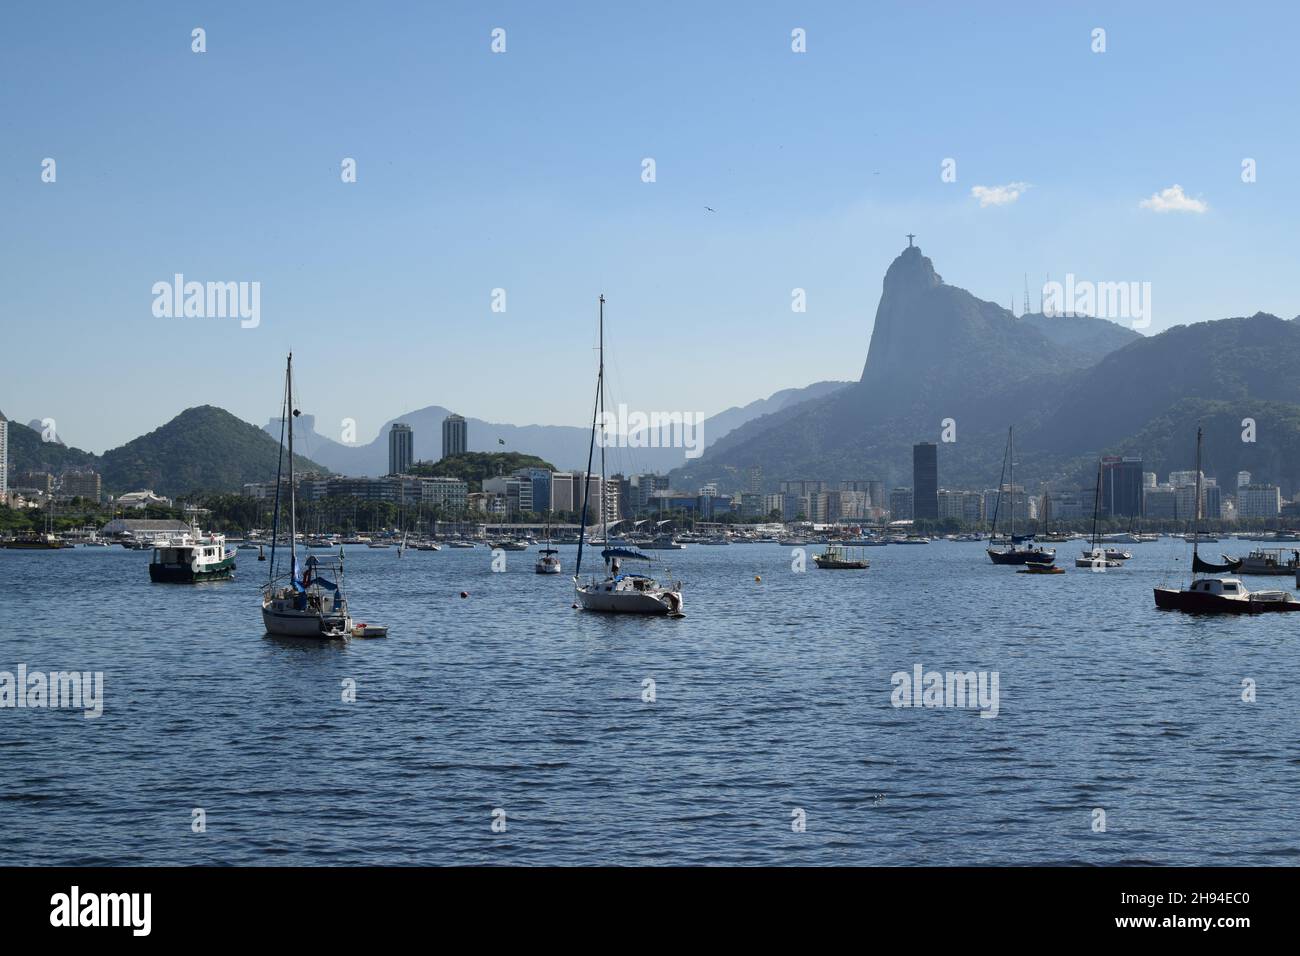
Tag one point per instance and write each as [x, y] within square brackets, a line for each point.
[541, 208]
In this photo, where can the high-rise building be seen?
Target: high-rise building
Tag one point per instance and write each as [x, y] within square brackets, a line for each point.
[925, 480]
[539, 496]
[455, 436]
[41, 481]
[1160, 501]
[755, 480]
[80, 484]
[563, 486]
[1213, 502]
[901, 504]
[1243, 479]
[4, 459]
[401, 448]
[1259, 501]
[1121, 486]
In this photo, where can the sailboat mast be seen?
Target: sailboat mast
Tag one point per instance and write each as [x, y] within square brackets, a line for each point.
[591, 446]
[293, 493]
[1096, 505]
[1011, 447]
[1196, 522]
[601, 378]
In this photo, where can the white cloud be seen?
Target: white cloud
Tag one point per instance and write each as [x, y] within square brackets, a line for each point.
[998, 195]
[1174, 199]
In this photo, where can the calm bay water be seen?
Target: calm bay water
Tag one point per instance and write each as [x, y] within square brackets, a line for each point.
[771, 696]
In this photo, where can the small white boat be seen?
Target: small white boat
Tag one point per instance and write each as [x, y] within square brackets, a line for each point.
[369, 630]
[548, 562]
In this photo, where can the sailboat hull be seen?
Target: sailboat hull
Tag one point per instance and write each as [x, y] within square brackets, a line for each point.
[300, 624]
[597, 597]
[1027, 556]
[1192, 602]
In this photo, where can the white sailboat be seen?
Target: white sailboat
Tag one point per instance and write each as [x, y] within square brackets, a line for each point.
[618, 592]
[308, 602]
[548, 561]
[1096, 557]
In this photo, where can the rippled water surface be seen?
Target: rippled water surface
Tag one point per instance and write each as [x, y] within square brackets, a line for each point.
[771, 696]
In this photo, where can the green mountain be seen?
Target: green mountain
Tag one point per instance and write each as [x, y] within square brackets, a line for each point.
[201, 449]
[28, 452]
[472, 467]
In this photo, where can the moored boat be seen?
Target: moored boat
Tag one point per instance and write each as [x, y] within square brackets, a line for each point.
[307, 601]
[1218, 595]
[838, 557]
[191, 557]
[1013, 555]
[618, 592]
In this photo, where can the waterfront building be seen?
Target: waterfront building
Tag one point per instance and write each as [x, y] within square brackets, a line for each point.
[925, 480]
[4, 459]
[967, 506]
[401, 448]
[900, 504]
[1121, 486]
[1213, 502]
[1068, 505]
[563, 484]
[1160, 502]
[450, 494]
[455, 436]
[1185, 502]
[1259, 501]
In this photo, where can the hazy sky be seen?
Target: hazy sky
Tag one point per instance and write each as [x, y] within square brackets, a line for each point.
[523, 171]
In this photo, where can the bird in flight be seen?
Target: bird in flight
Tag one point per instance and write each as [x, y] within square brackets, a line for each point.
[710, 209]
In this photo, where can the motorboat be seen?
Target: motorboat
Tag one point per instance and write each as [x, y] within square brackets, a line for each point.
[191, 557]
[839, 557]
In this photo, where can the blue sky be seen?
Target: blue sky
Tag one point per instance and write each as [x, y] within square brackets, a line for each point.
[522, 171]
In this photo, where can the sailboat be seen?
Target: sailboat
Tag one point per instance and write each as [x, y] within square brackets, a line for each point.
[619, 592]
[1096, 557]
[1218, 595]
[548, 561]
[309, 601]
[1011, 554]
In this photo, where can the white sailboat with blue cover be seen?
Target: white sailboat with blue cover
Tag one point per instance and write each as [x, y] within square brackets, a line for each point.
[308, 601]
[619, 591]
